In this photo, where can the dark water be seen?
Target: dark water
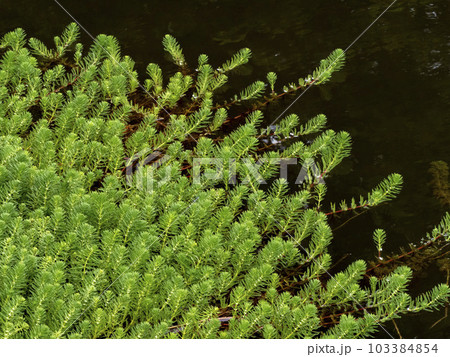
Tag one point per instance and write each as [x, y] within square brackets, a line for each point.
[393, 95]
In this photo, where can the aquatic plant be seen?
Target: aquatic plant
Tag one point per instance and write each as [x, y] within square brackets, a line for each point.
[440, 182]
[111, 227]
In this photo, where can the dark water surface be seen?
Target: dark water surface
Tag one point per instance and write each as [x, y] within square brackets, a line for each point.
[393, 96]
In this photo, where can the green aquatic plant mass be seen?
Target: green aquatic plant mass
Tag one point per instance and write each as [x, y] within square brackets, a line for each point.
[156, 210]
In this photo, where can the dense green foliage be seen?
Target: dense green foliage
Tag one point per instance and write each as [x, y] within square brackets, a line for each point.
[88, 253]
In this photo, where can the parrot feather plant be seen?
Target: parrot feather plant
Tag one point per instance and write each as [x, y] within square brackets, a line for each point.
[109, 227]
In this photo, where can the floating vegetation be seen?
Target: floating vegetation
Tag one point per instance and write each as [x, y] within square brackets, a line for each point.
[108, 231]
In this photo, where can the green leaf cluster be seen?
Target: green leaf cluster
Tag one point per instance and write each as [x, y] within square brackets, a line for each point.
[90, 251]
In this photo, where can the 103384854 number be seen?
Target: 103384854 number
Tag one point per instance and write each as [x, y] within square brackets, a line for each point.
[403, 348]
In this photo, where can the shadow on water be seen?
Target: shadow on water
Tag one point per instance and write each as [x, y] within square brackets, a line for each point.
[393, 96]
